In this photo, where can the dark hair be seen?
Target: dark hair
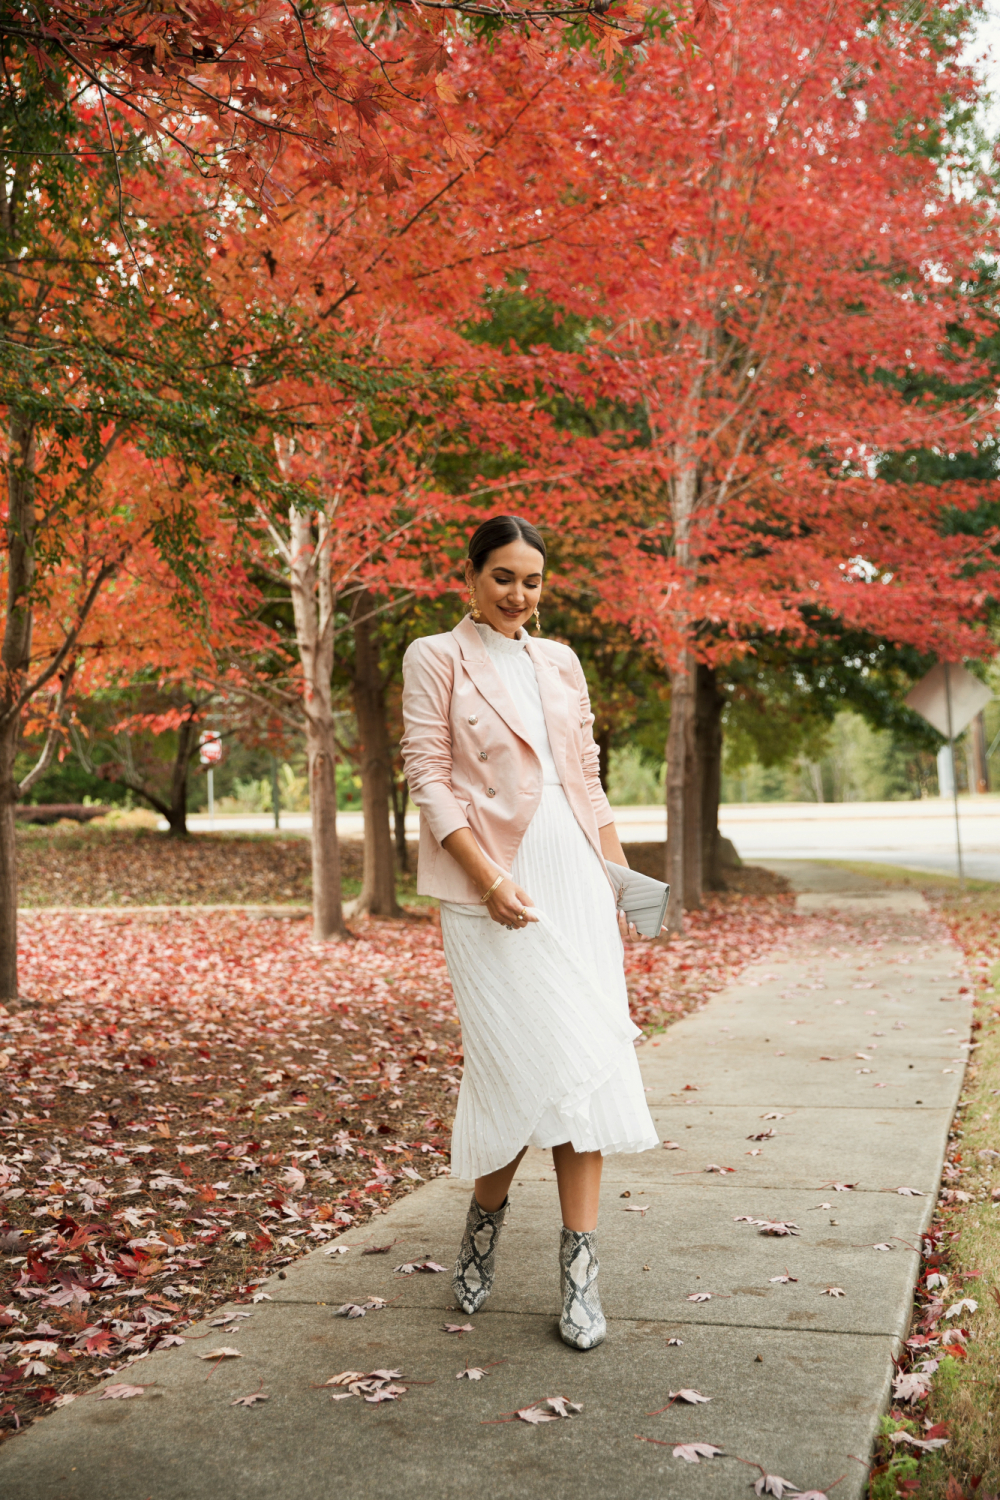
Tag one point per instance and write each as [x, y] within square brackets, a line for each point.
[498, 531]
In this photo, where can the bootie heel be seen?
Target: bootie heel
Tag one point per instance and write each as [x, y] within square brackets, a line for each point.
[476, 1266]
[582, 1324]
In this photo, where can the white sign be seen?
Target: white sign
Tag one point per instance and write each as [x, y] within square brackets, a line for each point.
[930, 698]
[210, 748]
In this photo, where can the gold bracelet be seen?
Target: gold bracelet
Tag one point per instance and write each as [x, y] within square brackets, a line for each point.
[499, 881]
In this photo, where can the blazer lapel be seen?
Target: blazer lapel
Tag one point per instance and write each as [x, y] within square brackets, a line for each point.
[484, 674]
[553, 695]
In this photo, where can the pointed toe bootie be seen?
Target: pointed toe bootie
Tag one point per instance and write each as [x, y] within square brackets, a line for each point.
[476, 1266]
[582, 1324]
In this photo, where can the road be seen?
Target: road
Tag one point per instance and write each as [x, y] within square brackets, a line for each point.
[915, 835]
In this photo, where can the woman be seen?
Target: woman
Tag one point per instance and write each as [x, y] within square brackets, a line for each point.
[501, 760]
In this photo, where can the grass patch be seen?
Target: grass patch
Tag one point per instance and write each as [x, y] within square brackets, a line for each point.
[917, 880]
[963, 1402]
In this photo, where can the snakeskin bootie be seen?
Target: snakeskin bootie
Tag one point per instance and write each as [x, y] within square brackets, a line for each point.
[476, 1266]
[582, 1324]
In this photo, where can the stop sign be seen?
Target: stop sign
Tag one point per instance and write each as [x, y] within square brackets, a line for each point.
[210, 748]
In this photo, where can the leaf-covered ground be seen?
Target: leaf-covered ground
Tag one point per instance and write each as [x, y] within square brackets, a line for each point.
[190, 1100]
[941, 1437]
[121, 867]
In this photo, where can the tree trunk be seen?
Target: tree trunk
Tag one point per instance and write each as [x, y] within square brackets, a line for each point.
[710, 704]
[313, 604]
[15, 657]
[400, 797]
[681, 724]
[684, 797]
[378, 884]
[980, 764]
[176, 814]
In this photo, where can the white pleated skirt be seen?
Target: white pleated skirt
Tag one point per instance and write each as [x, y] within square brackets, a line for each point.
[548, 1041]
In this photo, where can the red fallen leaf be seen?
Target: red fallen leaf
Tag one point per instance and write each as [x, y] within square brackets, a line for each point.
[690, 1088]
[957, 1351]
[773, 1484]
[693, 1453]
[121, 1392]
[938, 1430]
[458, 1328]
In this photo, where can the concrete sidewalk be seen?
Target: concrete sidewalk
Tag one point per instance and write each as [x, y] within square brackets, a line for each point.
[797, 1378]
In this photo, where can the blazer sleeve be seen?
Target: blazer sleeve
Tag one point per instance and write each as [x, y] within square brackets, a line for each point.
[428, 680]
[590, 753]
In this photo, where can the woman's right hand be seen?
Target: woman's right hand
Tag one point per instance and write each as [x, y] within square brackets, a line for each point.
[508, 904]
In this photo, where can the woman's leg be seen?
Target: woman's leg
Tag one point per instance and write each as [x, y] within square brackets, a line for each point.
[579, 1176]
[492, 1189]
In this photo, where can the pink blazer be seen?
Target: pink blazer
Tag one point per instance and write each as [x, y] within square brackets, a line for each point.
[469, 763]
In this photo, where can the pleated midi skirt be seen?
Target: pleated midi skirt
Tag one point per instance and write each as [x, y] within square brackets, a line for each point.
[548, 1041]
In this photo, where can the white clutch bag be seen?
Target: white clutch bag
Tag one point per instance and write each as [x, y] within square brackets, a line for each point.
[642, 899]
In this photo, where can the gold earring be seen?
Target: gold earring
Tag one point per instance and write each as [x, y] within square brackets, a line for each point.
[538, 619]
[473, 603]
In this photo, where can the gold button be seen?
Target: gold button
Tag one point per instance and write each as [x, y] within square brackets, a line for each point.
[482, 755]
[490, 792]
[473, 719]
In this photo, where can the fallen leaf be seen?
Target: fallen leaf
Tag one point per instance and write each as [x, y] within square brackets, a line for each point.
[458, 1328]
[562, 1407]
[637, 1208]
[536, 1414]
[784, 1279]
[777, 1227]
[250, 1400]
[883, 1246]
[121, 1392]
[763, 1135]
[472, 1373]
[408, 1267]
[699, 1296]
[911, 1386]
[222, 1354]
[926, 1445]
[773, 1114]
[693, 1398]
[967, 1304]
[293, 1178]
[833, 1291]
[675, 1343]
[773, 1484]
[358, 1310]
[672, 1146]
[693, 1453]
[714, 1167]
[841, 1187]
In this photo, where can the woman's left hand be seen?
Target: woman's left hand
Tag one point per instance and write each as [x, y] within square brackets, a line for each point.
[630, 933]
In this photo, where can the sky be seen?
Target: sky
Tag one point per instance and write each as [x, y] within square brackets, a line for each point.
[987, 40]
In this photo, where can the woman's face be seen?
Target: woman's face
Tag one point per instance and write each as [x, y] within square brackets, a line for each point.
[509, 586]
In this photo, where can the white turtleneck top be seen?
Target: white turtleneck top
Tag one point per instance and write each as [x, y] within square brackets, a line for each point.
[517, 673]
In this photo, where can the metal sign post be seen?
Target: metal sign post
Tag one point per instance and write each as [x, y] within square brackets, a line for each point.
[949, 697]
[954, 777]
[210, 754]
